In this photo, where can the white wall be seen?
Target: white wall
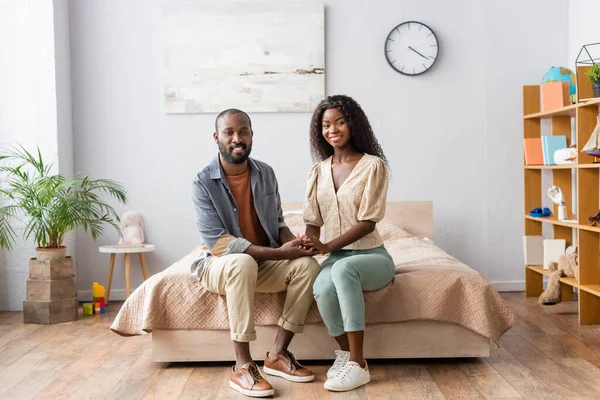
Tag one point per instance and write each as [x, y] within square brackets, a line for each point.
[64, 118]
[28, 112]
[583, 26]
[453, 135]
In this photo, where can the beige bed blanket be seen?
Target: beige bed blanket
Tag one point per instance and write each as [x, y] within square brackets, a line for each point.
[429, 284]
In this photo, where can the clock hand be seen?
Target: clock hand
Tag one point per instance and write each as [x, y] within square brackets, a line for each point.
[417, 52]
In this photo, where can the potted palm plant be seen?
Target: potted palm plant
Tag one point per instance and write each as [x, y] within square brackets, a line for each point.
[594, 76]
[51, 205]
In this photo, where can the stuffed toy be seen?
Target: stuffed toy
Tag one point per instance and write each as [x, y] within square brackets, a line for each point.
[132, 228]
[567, 266]
[594, 219]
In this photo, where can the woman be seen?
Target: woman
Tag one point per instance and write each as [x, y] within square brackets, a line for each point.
[346, 195]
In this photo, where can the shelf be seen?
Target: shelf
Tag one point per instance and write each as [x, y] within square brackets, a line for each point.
[589, 103]
[592, 289]
[565, 166]
[589, 228]
[567, 110]
[554, 221]
[569, 281]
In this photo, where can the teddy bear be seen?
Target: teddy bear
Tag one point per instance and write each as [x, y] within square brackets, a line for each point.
[567, 266]
[132, 229]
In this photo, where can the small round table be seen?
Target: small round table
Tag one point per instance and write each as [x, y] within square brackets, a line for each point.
[113, 251]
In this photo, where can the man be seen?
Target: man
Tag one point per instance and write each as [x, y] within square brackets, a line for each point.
[249, 249]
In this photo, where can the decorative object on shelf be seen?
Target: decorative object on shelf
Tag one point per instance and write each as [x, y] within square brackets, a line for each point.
[132, 229]
[540, 212]
[566, 156]
[45, 203]
[594, 75]
[567, 266]
[556, 195]
[411, 48]
[589, 54]
[592, 146]
[594, 219]
[555, 94]
[248, 55]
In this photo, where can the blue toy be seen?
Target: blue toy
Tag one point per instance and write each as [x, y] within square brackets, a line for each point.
[540, 212]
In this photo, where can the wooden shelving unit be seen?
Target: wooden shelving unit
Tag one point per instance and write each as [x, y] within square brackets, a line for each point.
[587, 186]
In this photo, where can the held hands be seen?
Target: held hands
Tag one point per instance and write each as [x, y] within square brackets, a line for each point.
[302, 246]
[313, 242]
[295, 249]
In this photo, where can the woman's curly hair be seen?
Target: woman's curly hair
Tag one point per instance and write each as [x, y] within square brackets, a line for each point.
[362, 137]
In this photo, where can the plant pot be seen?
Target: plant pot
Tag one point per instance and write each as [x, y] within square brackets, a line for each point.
[596, 88]
[51, 253]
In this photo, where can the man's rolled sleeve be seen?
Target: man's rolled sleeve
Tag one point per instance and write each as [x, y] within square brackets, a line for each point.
[215, 236]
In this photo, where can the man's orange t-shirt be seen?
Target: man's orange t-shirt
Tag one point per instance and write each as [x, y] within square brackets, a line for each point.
[247, 218]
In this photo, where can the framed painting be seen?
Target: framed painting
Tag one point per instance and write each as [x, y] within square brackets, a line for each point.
[258, 57]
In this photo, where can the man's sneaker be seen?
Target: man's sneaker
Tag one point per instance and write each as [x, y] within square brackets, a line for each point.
[350, 377]
[286, 366]
[249, 381]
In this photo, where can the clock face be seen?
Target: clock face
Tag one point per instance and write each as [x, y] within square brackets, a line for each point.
[411, 48]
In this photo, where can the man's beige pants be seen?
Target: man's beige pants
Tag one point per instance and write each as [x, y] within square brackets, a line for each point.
[239, 276]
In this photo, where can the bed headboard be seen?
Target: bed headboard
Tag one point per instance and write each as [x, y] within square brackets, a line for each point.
[414, 216]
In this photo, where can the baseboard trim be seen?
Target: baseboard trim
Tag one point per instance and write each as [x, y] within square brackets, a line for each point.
[509, 286]
[115, 294]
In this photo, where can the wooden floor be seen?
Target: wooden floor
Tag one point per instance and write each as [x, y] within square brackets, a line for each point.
[547, 355]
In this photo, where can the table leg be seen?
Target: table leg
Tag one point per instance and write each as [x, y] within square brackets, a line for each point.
[111, 266]
[127, 275]
[143, 264]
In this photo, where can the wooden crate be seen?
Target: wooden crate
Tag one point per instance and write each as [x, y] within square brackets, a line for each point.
[50, 312]
[51, 289]
[55, 269]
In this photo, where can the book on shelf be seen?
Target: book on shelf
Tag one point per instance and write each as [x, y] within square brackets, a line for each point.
[533, 151]
[550, 144]
[533, 250]
[554, 95]
[553, 249]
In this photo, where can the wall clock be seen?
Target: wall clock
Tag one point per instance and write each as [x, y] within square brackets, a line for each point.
[411, 48]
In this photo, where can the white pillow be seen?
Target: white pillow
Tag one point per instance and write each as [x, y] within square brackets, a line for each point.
[292, 212]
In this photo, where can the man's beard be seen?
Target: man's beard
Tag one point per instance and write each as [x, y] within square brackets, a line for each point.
[227, 153]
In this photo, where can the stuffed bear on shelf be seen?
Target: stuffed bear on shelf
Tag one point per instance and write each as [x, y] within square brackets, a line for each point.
[567, 266]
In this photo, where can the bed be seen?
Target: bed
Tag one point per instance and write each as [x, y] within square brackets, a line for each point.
[436, 306]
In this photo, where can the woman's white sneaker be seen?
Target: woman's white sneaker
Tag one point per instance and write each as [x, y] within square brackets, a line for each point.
[341, 358]
[350, 377]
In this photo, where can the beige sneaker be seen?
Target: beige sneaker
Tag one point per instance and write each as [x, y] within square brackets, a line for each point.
[249, 381]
